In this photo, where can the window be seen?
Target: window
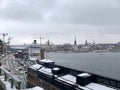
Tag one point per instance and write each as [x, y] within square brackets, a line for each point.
[118, 84]
[48, 86]
[99, 80]
[31, 77]
[113, 83]
[105, 81]
[53, 88]
[39, 82]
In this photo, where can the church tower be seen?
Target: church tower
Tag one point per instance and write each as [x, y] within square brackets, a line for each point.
[86, 42]
[75, 42]
[48, 42]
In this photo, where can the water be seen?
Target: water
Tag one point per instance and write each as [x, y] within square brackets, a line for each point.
[105, 64]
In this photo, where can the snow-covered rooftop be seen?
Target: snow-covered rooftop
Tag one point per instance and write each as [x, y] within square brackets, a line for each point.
[35, 66]
[84, 75]
[33, 58]
[46, 61]
[19, 47]
[35, 88]
[95, 86]
[56, 68]
[68, 78]
[92, 86]
[46, 70]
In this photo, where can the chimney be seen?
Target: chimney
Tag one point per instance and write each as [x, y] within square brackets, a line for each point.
[83, 79]
[42, 54]
[35, 42]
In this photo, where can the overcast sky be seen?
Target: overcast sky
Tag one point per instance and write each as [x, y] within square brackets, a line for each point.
[60, 21]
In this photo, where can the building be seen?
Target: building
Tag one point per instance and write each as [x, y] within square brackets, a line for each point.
[1, 46]
[34, 52]
[50, 76]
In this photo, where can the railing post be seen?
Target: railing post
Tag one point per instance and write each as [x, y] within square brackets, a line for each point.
[12, 83]
[0, 70]
[5, 77]
[19, 85]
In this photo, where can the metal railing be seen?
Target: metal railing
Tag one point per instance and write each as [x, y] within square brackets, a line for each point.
[13, 79]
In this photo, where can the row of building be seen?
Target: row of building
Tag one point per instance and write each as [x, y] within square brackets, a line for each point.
[87, 47]
[75, 48]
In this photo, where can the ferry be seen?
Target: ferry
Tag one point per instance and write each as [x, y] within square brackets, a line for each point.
[33, 52]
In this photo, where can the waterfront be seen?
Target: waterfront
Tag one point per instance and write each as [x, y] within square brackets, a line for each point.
[105, 64]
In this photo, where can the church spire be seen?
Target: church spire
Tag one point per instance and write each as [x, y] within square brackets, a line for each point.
[48, 42]
[86, 42]
[75, 42]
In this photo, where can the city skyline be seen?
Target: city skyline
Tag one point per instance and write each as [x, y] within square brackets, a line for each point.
[60, 21]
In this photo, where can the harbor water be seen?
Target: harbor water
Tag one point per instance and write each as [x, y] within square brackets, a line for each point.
[105, 63]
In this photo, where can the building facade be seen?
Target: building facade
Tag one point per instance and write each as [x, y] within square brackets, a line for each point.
[54, 77]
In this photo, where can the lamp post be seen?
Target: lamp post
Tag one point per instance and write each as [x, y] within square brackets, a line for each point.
[9, 39]
[4, 34]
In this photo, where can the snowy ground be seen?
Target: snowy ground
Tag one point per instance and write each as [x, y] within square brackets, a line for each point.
[16, 67]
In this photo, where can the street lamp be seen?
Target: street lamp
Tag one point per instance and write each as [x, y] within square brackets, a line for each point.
[9, 39]
[4, 34]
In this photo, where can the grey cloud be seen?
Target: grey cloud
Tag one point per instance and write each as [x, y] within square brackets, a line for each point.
[61, 20]
[89, 12]
[63, 11]
[26, 10]
[110, 30]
